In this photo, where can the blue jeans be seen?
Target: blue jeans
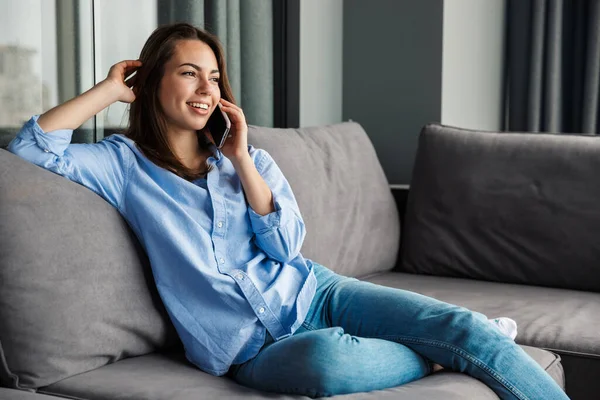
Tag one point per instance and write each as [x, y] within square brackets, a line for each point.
[359, 337]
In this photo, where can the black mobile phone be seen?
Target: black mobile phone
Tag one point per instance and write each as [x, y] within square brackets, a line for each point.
[219, 125]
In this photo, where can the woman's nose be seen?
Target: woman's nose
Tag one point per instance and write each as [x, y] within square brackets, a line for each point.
[204, 86]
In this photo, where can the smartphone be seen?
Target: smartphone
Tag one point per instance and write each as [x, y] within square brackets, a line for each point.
[219, 125]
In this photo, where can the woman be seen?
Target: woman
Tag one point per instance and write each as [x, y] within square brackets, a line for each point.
[223, 232]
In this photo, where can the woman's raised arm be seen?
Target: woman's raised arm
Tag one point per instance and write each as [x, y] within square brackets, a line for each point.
[101, 167]
[73, 113]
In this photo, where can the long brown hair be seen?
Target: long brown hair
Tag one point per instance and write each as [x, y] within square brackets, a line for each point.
[147, 121]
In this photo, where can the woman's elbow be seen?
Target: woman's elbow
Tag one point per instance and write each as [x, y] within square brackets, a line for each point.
[294, 244]
[14, 146]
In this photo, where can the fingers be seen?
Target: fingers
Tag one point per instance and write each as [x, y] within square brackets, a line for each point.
[127, 71]
[126, 67]
[228, 104]
[130, 63]
[234, 112]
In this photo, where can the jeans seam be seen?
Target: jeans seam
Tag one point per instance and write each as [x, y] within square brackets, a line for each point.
[464, 354]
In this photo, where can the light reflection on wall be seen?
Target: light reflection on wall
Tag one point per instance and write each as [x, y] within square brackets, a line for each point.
[122, 28]
[22, 93]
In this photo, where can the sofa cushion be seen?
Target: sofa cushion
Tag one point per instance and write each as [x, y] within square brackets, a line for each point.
[75, 287]
[350, 215]
[507, 207]
[561, 320]
[171, 377]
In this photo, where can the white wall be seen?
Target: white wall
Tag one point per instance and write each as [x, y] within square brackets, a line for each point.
[472, 66]
[321, 32]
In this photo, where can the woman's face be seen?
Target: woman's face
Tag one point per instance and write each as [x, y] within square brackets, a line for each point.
[189, 90]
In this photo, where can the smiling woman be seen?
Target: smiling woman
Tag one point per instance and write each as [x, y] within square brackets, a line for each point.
[186, 67]
[189, 86]
[225, 250]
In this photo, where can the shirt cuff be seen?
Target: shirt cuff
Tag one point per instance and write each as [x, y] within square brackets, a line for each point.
[52, 142]
[265, 223]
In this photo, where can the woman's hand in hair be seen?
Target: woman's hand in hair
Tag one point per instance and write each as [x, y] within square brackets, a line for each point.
[117, 75]
[73, 113]
[236, 145]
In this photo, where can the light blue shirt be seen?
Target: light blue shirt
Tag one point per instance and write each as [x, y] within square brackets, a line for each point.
[224, 272]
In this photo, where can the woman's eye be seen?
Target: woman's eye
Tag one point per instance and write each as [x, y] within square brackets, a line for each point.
[216, 79]
[189, 73]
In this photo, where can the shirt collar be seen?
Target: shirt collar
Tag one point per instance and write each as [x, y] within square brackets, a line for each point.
[216, 153]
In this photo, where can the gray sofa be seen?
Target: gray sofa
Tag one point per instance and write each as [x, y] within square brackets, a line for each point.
[505, 224]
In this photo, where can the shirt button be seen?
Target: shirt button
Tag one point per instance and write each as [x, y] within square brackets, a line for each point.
[220, 224]
[222, 260]
[240, 277]
[261, 310]
[47, 151]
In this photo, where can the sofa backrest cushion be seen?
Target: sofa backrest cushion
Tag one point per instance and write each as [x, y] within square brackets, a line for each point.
[350, 215]
[509, 207]
[76, 291]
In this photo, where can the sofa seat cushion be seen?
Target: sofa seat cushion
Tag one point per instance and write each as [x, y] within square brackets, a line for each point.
[561, 320]
[171, 377]
[554, 319]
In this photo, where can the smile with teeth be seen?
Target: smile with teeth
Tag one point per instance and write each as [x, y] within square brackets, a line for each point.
[203, 106]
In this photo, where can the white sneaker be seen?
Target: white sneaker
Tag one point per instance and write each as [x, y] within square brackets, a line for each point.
[505, 325]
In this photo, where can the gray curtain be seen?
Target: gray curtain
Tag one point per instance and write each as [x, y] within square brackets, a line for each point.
[245, 28]
[553, 66]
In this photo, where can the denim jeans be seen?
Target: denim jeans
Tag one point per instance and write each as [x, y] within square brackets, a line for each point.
[359, 337]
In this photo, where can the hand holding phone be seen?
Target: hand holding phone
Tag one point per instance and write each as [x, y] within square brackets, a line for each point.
[219, 125]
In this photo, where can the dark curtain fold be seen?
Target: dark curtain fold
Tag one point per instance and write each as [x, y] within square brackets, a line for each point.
[553, 66]
[245, 28]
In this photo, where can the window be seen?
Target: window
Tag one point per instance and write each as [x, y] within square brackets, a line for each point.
[40, 59]
[52, 51]
[121, 29]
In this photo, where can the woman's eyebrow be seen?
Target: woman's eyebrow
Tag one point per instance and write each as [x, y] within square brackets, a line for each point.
[197, 68]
